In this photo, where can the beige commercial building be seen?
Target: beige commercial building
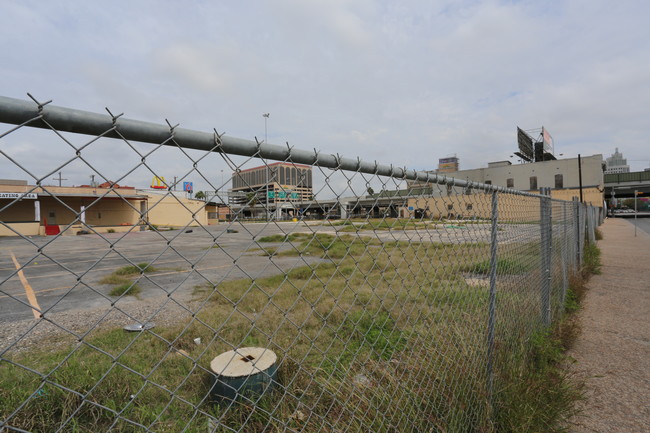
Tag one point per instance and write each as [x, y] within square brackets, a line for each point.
[567, 178]
[29, 210]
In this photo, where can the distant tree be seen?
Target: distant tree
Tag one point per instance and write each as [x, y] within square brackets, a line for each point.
[251, 197]
[200, 195]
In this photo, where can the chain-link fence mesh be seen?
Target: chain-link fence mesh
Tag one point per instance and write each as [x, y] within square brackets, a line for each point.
[300, 292]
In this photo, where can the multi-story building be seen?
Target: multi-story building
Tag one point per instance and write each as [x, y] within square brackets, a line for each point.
[563, 176]
[568, 178]
[279, 187]
[616, 163]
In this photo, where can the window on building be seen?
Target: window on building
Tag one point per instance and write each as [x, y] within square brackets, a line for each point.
[510, 183]
[559, 181]
[301, 177]
[533, 183]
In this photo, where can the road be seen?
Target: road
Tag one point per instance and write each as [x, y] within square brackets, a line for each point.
[642, 223]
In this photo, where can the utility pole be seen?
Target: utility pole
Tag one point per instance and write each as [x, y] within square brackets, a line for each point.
[580, 177]
[59, 179]
[636, 194]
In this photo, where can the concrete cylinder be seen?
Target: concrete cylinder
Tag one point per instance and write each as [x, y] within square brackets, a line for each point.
[243, 371]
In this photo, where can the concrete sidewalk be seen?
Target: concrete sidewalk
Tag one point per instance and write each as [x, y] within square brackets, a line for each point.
[613, 351]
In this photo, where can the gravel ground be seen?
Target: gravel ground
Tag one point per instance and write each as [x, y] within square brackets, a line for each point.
[71, 326]
[613, 351]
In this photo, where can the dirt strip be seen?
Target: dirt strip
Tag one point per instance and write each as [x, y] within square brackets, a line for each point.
[612, 353]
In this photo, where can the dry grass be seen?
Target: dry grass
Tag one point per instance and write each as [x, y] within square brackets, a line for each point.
[122, 279]
[368, 325]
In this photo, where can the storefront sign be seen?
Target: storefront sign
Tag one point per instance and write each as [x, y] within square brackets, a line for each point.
[158, 183]
[282, 194]
[28, 195]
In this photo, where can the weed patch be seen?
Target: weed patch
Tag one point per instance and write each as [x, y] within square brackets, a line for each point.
[538, 394]
[591, 260]
[599, 234]
[122, 279]
[127, 288]
[273, 238]
[135, 269]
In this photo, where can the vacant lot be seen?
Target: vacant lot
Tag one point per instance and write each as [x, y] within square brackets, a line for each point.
[359, 319]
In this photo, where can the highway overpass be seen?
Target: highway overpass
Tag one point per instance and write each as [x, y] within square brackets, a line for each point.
[623, 185]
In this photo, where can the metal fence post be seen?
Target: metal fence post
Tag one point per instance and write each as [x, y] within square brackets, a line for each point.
[583, 230]
[545, 226]
[577, 234]
[591, 224]
[565, 255]
[493, 295]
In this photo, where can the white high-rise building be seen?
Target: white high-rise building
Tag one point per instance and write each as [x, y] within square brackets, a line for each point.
[616, 163]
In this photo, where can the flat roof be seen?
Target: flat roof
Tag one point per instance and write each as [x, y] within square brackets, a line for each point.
[290, 164]
[62, 191]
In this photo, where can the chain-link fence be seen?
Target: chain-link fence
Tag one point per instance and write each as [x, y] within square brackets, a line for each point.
[298, 291]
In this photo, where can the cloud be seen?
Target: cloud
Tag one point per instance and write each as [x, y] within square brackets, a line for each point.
[401, 83]
[200, 68]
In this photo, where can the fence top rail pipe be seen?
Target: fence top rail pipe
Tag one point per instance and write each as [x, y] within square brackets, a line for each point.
[46, 116]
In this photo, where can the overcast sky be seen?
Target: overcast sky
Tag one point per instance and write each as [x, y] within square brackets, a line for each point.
[401, 82]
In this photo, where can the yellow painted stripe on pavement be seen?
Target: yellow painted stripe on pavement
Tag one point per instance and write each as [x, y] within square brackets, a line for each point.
[31, 297]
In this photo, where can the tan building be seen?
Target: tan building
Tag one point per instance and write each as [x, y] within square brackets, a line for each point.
[173, 209]
[29, 210]
[562, 176]
[478, 205]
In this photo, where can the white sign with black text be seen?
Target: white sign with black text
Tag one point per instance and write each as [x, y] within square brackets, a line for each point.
[14, 195]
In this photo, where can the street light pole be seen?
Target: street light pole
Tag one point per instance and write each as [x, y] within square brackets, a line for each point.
[266, 168]
[636, 193]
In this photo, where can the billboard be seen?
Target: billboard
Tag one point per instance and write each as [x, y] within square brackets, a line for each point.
[448, 165]
[525, 142]
[547, 140]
